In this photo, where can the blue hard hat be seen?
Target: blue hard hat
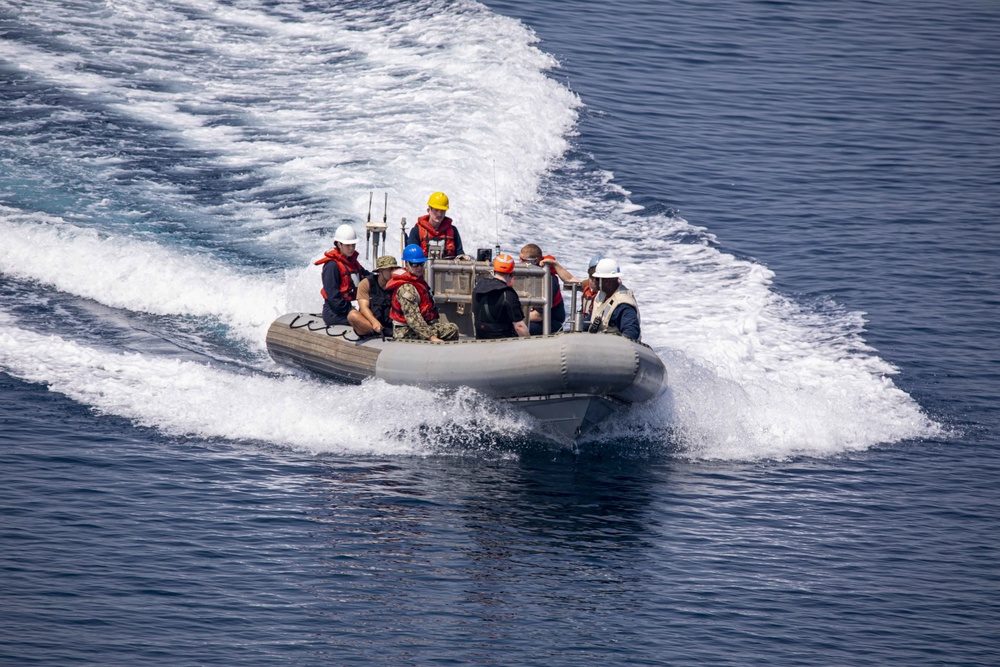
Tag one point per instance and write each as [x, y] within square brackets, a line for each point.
[414, 254]
[594, 260]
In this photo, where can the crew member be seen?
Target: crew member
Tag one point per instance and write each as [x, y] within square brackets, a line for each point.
[496, 307]
[532, 254]
[435, 233]
[589, 291]
[341, 274]
[413, 312]
[374, 301]
[615, 310]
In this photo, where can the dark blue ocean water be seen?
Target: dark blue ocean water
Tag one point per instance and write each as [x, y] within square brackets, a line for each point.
[158, 511]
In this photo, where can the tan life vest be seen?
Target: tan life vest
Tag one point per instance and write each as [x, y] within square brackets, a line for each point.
[603, 310]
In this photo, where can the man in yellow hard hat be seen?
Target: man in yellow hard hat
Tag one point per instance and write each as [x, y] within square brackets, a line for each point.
[435, 233]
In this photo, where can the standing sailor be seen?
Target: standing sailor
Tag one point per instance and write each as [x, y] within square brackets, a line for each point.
[590, 289]
[532, 254]
[435, 233]
[615, 309]
[341, 274]
[496, 307]
[413, 312]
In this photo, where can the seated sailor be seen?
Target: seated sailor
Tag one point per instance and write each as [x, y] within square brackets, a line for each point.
[413, 312]
[615, 309]
[341, 274]
[496, 307]
[374, 300]
[435, 232]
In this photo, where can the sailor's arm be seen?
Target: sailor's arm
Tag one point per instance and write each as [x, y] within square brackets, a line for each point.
[413, 238]
[331, 285]
[331, 279]
[628, 321]
[459, 250]
[516, 313]
[364, 305]
[563, 274]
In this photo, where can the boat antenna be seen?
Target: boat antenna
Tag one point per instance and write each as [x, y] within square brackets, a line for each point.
[368, 230]
[375, 231]
[496, 208]
[402, 235]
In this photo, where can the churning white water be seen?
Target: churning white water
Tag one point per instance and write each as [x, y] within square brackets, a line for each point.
[188, 160]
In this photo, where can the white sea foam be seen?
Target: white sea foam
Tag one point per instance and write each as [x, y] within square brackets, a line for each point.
[752, 374]
[405, 99]
[142, 276]
[184, 398]
[331, 104]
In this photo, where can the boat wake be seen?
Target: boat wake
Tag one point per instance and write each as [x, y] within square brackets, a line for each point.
[176, 168]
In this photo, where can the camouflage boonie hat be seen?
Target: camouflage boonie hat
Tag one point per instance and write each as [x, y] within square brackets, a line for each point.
[386, 262]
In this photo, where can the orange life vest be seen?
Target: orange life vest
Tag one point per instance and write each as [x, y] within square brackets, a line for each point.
[427, 308]
[347, 266]
[589, 294]
[426, 232]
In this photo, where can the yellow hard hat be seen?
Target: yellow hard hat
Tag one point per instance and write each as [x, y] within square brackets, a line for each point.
[438, 200]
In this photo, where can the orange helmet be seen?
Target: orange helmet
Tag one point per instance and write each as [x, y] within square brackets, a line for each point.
[503, 264]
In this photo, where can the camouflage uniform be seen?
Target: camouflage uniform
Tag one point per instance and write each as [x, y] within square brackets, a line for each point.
[416, 326]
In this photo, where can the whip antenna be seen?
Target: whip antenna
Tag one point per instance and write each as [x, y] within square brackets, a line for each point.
[496, 207]
[368, 229]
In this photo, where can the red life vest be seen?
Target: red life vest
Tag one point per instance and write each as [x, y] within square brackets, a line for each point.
[426, 232]
[347, 266]
[427, 308]
[556, 291]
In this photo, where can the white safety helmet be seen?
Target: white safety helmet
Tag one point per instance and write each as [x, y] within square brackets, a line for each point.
[345, 234]
[607, 268]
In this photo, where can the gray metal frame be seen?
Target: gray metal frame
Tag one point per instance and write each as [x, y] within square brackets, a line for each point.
[453, 281]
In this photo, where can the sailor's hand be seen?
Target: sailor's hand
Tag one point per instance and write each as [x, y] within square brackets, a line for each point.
[377, 327]
[535, 316]
[465, 257]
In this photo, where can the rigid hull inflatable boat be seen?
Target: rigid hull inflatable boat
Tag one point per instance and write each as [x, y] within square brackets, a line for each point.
[568, 381]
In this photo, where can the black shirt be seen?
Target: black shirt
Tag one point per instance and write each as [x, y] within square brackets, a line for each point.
[495, 307]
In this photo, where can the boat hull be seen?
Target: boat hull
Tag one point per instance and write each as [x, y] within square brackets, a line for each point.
[569, 382]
